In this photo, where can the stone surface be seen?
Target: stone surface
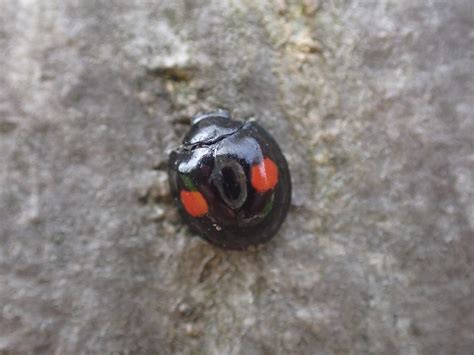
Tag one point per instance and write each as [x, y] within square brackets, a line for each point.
[372, 102]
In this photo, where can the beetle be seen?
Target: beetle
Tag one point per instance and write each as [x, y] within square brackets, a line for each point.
[230, 181]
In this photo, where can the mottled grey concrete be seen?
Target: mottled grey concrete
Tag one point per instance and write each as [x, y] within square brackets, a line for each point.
[372, 102]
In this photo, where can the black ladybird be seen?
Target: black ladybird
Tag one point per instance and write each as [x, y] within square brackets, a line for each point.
[230, 181]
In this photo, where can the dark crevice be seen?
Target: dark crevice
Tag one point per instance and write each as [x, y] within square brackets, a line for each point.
[231, 184]
[177, 74]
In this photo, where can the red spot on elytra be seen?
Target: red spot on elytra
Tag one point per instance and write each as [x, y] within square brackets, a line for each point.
[264, 176]
[194, 203]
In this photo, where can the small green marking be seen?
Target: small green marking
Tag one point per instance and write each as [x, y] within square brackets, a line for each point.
[188, 182]
[268, 207]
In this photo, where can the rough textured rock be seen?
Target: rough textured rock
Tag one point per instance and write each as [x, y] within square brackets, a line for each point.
[373, 105]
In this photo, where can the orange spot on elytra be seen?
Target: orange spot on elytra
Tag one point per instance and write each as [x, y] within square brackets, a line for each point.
[264, 176]
[194, 203]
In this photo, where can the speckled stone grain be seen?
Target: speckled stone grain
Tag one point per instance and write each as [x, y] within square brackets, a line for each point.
[372, 102]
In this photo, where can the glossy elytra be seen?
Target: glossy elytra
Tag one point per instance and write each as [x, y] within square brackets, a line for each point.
[230, 181]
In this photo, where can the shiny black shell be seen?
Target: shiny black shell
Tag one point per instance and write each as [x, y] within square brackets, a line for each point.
[230, 181]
